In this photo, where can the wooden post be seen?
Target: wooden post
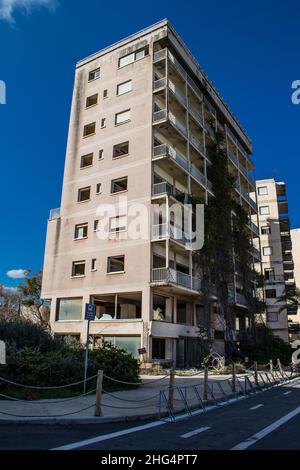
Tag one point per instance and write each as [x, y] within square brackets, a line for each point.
[171, 388]
[256, 374]
[271, 366]
[280, 367]
[233, 377]
[99, 392]
[205, 386]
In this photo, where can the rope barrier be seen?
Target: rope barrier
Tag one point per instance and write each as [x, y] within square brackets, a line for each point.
[38, 402]
[126, 399]
[134, 383]
[34, 387]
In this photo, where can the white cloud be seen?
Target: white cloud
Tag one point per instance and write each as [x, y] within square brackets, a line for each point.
[17, 273]
[8, 7]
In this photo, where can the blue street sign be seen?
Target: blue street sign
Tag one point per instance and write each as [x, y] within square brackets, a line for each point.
[90, 312]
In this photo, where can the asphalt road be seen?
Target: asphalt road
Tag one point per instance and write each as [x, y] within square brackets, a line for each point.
[267, 421]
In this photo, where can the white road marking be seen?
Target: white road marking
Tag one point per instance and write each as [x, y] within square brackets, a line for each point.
[256, 407]
[194, 433]
[268, 430]
[287, 393]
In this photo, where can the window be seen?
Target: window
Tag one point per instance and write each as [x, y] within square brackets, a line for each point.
[266, 230]
[272, 317]
[130, 344]
[117, 224]
[118, 306]
[69, 309]
[105, 94]
[94, 74]
[84, 194]
[98, 188]
[92, 100]
[81, 231]
[267, 250]
[264, 210]
[116, 264]
[86, 160]
[120, 150]
[100, 155]
[94, 264]
[124, 87]
[263, 190]
[130, 58]
[269, 274]
[78, 268]
[121, 118]
[119, 185]
[162, 308]
[96, 225]
[158, 348]
[103, 123]
[270, 293]
[89, 129]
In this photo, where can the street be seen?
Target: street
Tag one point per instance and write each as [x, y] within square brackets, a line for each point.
[267, 421]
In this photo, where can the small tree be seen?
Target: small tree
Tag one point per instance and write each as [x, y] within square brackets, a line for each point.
[31, 298]
[10, 303]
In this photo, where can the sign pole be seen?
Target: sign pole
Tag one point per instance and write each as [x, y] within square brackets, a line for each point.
[90, 313]
[87, 346]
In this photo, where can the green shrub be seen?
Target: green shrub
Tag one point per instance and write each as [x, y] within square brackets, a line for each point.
[35, 358]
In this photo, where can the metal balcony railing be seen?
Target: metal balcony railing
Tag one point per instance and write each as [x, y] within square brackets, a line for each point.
[165, 188]
[246, 196]
[176, 91]
[54, 214]
[177, 65]
[166, 150]
[273, 279]
[161, 83]
[160, 115]
[197, 144]
[195, 88]
[197, 175]
[160, 55]
[178, 124]
[253, 227]
[210, 130]
[255, 253]
[162, 231]
[196, 114]
[169, 275]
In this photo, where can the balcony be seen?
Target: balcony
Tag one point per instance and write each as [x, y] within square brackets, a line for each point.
[197, 144]
[159, 84]
[171, 276]
[294, 327]
[235, 298]
[159, 55]
[253, 227]
[162, 115]
[165, 189]
[165, 150]
[255, 253]
[210, 130]
[164, 231]
[54, 214]
[198, 175]
[292, 309]
[274, 279]
[177, 92]
[246, 196]
[196, 114]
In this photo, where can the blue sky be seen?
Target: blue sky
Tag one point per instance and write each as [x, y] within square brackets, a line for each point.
[250, 50]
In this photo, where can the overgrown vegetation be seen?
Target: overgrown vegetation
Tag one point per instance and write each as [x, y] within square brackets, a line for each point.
[35, 358]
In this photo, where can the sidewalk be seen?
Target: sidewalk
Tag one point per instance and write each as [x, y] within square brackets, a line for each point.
[129, 405]
[133, 405]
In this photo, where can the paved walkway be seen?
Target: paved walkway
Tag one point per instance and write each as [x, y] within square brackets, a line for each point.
[128, 405]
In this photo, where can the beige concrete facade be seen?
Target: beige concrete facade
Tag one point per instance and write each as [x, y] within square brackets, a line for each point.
[276, 250]
[171, 112]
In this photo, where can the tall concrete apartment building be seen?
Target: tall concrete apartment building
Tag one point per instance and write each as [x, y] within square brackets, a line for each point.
[294, 316]
[143, 115]
[276, 251]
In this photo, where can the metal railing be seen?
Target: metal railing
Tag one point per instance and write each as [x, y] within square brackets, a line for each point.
[160, 83]
[246, 196]
[165, 188]
[196, 115]
[159, 55]
[197, 175]
[253, 227]
[169, 275]
[272, 279]
[178, 124]
[177, 65]
[54, 214]
[161, 231]
[175, 90]
[167, 150]
[197, 144]
[160, 115]
[255, 252]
